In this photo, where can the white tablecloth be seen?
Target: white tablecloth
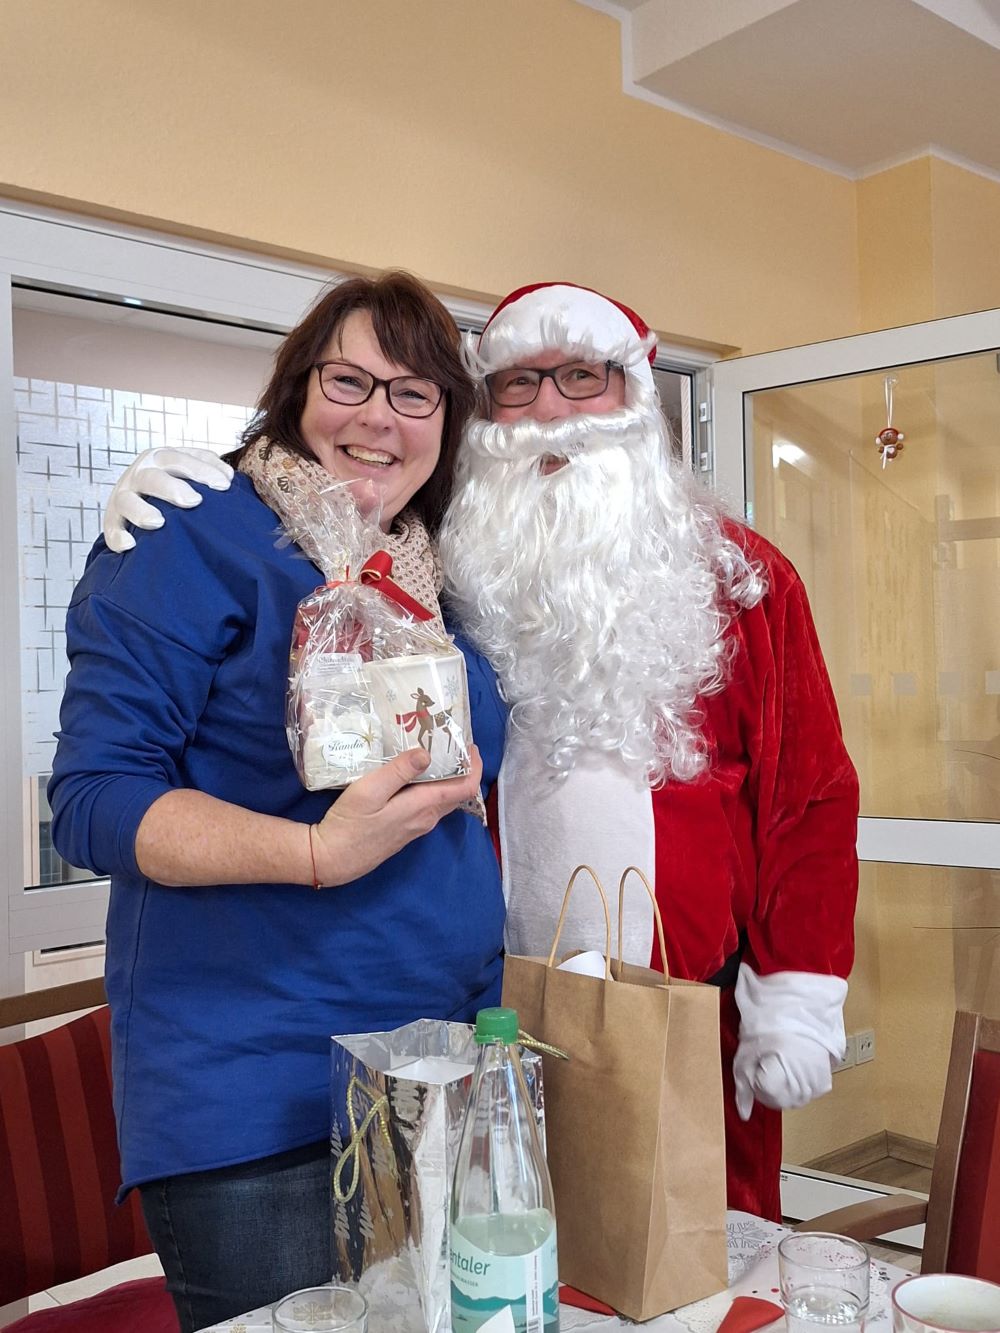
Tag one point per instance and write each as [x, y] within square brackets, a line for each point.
[753, 1271]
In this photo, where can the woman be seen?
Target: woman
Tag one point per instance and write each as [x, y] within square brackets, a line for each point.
[226, 972]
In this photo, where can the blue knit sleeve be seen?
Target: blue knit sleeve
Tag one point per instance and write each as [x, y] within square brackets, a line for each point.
[145, 635]
[489, 712]
[131, 702]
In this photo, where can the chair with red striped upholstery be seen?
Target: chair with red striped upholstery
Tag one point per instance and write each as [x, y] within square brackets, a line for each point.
[962, 1211]
[59, 1172]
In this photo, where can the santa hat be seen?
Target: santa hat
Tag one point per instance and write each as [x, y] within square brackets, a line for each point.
[574, 319]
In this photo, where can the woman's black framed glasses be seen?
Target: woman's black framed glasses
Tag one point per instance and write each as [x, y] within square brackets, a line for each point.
[520, 385]
[349, 385]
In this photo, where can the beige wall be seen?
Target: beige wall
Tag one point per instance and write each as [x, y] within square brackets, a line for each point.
[928, 243]
[481, 145]
[966, 228]
[895, 247]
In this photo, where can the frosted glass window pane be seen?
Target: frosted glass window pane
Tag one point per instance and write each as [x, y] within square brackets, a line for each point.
[74, 440]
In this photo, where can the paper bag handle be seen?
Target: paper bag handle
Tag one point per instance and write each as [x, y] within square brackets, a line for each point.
[629, 870]
[607, 918]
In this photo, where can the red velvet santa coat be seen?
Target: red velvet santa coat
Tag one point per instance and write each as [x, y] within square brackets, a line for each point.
[761, 847]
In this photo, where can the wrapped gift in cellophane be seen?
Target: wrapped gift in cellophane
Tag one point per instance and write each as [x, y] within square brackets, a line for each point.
[398, 1105]
[372, 672]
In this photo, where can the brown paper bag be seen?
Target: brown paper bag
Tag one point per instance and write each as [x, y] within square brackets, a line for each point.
[634, 1124]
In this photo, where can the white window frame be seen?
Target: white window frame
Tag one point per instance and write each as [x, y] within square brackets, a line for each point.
[806, 1193]
[906, 841]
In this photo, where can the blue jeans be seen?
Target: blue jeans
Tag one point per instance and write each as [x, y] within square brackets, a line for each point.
[242, 1236]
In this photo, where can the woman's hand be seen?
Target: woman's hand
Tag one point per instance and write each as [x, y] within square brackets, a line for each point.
[381, 812]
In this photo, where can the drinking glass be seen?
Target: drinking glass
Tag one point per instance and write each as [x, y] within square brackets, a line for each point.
[824, 1282]
[329, 1309]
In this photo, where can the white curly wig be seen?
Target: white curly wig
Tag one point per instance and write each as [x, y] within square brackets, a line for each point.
[601, 593]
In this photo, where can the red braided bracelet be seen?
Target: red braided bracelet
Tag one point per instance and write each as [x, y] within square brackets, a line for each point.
[312, 858]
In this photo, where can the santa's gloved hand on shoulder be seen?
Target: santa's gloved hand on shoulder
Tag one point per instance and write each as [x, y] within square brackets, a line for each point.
[791, 1035]
[161, 473]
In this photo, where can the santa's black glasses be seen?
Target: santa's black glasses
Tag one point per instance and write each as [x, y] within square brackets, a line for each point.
[520, 386]
[409, 395]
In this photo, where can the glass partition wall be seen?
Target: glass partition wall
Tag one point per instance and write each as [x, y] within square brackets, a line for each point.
[901, 563]
[901, 559]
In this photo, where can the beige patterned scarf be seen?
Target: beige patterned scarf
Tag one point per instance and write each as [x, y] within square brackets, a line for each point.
[279, 473]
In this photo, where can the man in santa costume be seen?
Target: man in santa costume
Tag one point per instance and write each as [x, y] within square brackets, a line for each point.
[669, 703]
[670, 706]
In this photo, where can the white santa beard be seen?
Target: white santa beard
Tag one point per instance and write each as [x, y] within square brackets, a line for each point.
[593, 591]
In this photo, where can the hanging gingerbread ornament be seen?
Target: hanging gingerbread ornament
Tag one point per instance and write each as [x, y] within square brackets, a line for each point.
[889, 439]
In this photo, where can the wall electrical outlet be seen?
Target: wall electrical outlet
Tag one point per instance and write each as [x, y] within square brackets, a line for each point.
[850, 1055]
[866, 1046]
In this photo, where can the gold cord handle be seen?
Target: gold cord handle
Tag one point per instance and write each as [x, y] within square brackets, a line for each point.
[526, 1039]
[379, 1108]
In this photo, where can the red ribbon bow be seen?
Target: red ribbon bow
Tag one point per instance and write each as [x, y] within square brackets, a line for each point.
[376, 571]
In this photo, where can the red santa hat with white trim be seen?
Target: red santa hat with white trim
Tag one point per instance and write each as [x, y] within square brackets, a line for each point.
[575, 320]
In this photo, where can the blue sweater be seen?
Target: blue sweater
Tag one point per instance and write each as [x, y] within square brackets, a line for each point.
[224, 998]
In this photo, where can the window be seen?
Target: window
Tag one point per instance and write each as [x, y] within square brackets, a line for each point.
[95, 383]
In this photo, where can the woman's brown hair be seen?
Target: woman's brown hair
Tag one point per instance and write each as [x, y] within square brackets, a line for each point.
[414, 330]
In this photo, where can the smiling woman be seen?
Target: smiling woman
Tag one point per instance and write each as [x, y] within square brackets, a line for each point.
[351, 388]
[386, 432]
[226, 973]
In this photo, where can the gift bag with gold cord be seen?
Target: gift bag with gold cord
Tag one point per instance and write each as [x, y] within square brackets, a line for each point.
[398, 1104]
[634, 1120]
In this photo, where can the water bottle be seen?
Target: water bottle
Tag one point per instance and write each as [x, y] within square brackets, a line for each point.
[503, 1227]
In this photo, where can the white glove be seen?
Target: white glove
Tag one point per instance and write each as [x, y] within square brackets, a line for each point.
[791, 1033]
[159, 473]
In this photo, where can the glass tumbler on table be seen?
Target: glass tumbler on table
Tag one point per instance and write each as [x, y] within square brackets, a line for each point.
[328, 1309]
[824, 1282]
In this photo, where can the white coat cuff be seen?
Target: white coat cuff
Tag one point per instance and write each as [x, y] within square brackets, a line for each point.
[801, 1004]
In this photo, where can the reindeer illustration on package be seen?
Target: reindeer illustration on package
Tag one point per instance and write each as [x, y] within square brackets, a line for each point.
[371, 671]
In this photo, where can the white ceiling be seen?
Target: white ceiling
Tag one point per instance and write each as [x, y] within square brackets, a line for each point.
[852, 85]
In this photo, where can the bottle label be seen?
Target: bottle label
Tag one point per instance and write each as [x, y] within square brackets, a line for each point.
[483, 1283]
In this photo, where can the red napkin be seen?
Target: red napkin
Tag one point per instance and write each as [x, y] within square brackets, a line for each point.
[749, 1312]
[744, 1315]
[570, 1296]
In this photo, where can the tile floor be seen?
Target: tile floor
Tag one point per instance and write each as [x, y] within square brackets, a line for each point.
[901, 1175]
[908, 1259]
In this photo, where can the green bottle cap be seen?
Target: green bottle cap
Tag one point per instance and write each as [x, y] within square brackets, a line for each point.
[496, 1025]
